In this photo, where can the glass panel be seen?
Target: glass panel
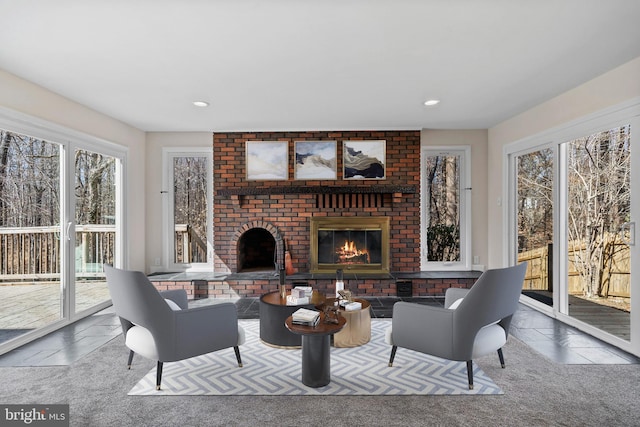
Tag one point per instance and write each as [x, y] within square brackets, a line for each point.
[357, 247]
[535, 222]
[326, 246]
[442, 213]
[190, 209]
[599, 190]
[95, 218]
[30, 291]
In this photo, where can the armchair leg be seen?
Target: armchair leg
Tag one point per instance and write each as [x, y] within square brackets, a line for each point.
[158, 375]
[237, 350]
[501, 356]
[393, 355]
[470, 373]
[130, 359]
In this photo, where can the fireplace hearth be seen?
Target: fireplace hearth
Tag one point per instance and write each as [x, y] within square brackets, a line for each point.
[353, 244]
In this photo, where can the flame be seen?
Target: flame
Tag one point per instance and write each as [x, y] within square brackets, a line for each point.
[350, 254]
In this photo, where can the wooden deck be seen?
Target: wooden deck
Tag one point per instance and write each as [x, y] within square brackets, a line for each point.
[609, 319]
[28, 306]
[613, 320]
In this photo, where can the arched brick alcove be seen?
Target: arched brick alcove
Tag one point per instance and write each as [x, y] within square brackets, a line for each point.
[250, 239]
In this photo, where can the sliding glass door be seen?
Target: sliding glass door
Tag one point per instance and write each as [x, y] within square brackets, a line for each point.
[59, 221]
[534, 216]
[598, 211]
[95, 236]
[572, 218]
[31, 248]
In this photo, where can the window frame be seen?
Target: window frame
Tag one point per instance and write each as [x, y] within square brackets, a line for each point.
[465, 263]
[168, 242]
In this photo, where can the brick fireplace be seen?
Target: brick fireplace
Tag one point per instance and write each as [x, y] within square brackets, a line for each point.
[284, 208]
[255, 221]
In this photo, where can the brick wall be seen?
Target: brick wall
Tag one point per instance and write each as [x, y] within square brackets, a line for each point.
[286, 206]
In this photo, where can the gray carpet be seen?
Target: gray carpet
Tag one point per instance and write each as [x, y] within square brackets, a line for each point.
[357, 371]
[537, 392]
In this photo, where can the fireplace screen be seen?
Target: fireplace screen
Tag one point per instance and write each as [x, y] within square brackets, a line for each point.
[349, 247]
[357, 244]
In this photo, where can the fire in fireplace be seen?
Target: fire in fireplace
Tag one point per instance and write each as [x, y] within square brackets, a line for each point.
[356, 244]
[350, 254]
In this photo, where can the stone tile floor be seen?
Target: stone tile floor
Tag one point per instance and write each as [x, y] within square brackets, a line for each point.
[557, 341]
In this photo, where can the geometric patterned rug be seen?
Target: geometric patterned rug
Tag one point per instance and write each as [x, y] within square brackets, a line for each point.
[355, 371]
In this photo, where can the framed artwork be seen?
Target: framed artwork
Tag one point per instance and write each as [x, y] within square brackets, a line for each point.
[315, 160]
[364, 159]
[267, 160]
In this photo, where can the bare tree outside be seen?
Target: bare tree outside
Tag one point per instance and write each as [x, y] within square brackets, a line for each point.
[29, 181]
[599, 204]
[442, 195]
[598, 185]
[30, 207]
[535, 199]
[94, 188]
[190, 209]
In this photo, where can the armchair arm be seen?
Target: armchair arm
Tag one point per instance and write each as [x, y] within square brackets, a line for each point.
[423, 328]
[205, 329]
[179, 296]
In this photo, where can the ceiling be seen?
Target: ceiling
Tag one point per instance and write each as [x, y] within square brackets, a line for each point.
[314, 64]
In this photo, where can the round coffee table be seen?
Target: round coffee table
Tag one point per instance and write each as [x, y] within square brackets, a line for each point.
[273, 312]
[316, 349]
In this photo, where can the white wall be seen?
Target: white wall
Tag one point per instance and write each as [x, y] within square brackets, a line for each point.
[477, 139]
[612, 88]
[27, 98]
[156, 141]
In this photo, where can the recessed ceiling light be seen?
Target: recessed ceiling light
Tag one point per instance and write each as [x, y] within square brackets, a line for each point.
[431, 102]
[200, 103]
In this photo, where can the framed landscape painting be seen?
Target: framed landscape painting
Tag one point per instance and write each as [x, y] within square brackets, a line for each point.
[364, 159]
[315, 160]
[267, 160]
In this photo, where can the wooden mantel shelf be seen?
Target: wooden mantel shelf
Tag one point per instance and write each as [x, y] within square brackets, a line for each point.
[317, 189]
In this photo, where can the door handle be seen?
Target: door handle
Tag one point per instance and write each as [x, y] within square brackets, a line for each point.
[69, 224]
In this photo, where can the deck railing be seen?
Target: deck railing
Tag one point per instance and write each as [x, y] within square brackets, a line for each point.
[189, 247]
[33, 253]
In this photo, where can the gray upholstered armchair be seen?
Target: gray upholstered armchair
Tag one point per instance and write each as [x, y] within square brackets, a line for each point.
[474, 322]
[161, 327]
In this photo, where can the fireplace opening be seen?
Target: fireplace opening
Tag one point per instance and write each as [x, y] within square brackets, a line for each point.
[256, 251]
[356, 244]
[349, 247]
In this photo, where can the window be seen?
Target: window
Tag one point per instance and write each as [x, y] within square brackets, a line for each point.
[446, 242]
[188, 209]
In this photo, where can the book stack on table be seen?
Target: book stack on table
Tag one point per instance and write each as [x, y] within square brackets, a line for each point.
[350, 305]
[305, 317]
[300, 295]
